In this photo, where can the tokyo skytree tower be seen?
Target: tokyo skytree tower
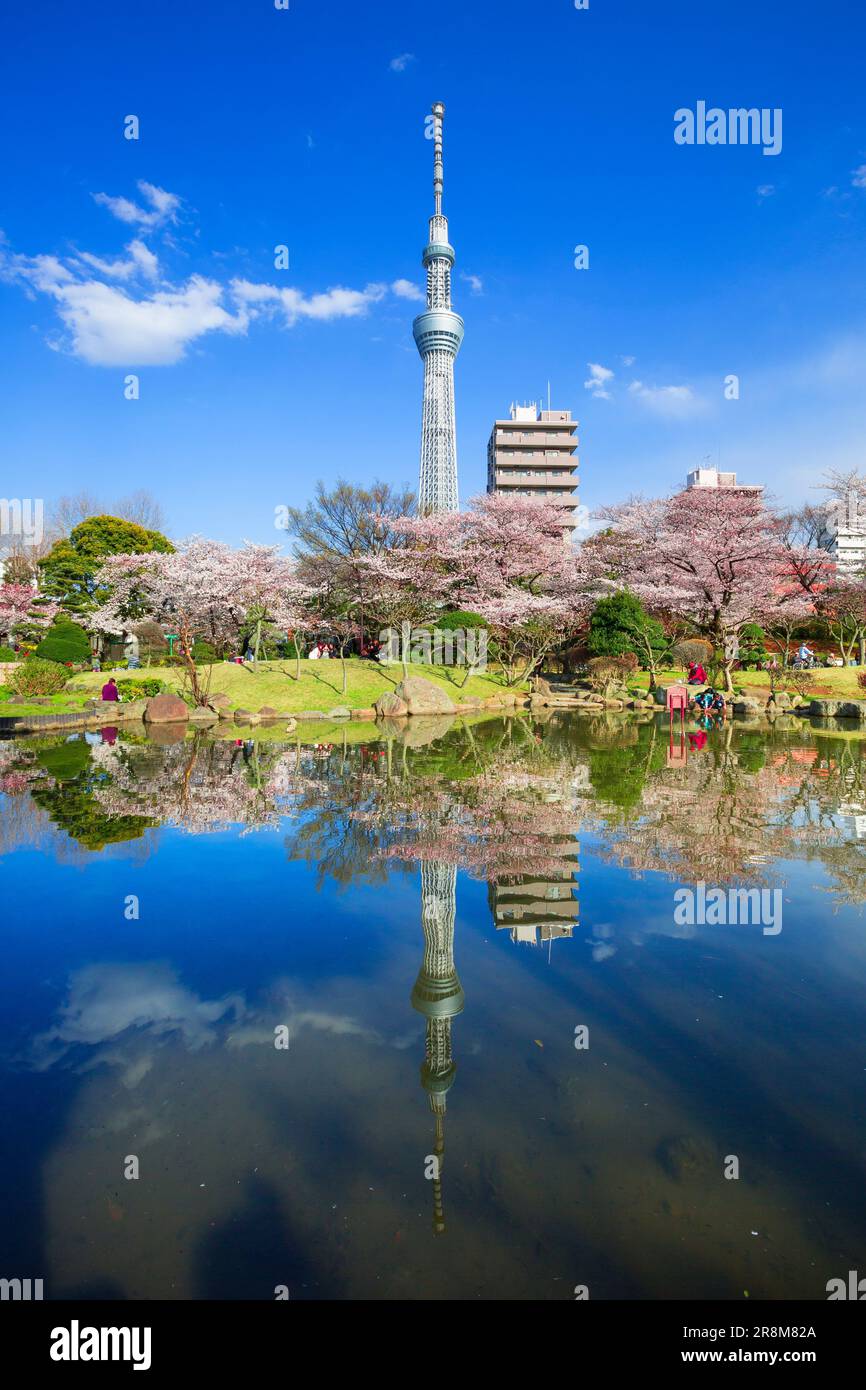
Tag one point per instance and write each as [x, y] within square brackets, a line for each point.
[438, 335]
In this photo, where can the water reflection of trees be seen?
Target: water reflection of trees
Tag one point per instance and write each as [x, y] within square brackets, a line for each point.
[746, 800]
[499, 799]
[51, 794]
[491, 800]
[199, 785]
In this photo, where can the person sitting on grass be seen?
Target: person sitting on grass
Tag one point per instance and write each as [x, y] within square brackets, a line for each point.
[110, 690]
[697, 674]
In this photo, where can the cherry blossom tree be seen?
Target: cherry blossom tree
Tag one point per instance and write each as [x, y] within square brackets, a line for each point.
[844, 608]
[204, 589]
[21, 607]
[787, 610]
[505, 558]
[715, 557]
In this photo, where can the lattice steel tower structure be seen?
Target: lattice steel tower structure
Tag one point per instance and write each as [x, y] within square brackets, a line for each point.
[438, 335]
[438, 995]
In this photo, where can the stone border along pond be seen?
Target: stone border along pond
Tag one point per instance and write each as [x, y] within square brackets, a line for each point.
[414, 696]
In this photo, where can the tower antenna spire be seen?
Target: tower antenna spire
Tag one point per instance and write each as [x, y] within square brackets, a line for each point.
[438, 168]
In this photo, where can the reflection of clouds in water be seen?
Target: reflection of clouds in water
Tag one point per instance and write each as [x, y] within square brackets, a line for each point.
[107, 1000]
[603, 952]
[341, 1025]
[636, 934]
[600, 941]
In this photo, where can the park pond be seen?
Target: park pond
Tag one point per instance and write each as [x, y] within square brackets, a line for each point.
[452, 1011]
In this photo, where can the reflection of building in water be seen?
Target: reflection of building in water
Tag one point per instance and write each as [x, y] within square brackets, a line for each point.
[852, 817]
[540, 905]
[438, 995]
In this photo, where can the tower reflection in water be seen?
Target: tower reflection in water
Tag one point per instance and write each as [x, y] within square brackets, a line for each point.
[541, 904]
[438, 995]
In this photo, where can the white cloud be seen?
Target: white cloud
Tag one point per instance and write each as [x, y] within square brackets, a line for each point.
[140, 260]
[112, 319]
[44, 273]
[163, 206]
[475, 282]
[671, 401]
[627, 361]
[336, 303]
[858, 176]
[109, 328]
[401, 63]
[407, 289]
[765, 190]
[599, 377]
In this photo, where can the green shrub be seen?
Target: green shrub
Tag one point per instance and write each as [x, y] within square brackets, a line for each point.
[65, 641]
[753, 645]
[140, 689]
[459, 618]
[38, 677]
[620, 624]
[7, 654]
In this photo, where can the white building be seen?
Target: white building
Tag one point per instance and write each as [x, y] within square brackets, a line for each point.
[844, 533]
[533, 454]
[712, 478]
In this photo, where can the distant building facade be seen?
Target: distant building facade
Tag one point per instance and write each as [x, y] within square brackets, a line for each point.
[713, 478]
[844, 534]
[533, 454]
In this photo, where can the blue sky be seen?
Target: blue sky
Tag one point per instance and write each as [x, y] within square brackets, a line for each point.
[305, 127]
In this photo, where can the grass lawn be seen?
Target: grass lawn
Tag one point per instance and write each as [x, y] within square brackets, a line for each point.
[319, 687]
[65, 702]
[834, 683]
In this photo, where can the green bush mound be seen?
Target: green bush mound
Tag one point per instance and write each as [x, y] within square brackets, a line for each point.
[459, 618]
[140, 689]
[65, 641]
[38, 677]
[753, 646]
[7, 654]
